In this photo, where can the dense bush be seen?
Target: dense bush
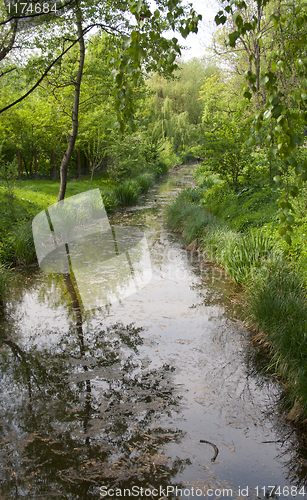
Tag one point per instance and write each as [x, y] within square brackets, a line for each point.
[145, 181]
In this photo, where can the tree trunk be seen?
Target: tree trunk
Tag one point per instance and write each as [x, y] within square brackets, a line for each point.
[79, 165]
[19, 165]
[86, 167]
[35, 164]
[74, 118]
[53, 165]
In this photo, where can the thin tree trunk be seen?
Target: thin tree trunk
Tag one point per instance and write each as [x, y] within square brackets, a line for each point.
[79, 165]
[86, 167]
[35, 164]
[19, 165]
[74, 119]
[26, 167]
[53, 165]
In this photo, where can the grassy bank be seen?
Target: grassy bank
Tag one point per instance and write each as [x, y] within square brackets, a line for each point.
[29, 197]
[236, 229]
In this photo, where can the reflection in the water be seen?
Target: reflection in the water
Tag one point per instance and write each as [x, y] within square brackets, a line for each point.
[84, 414]
[108, 263]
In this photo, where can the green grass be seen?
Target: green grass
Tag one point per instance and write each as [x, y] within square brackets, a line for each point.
[243, 256]
[245, 208]
[187, 217]
[32, 196]
[278, 306]
[145, 181]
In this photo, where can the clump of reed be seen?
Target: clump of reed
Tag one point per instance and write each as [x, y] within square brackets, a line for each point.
[145, 181]
[187, 217]
[23, 244]
[244, 256]
[278, 306]
[127, 192]
[109, 200]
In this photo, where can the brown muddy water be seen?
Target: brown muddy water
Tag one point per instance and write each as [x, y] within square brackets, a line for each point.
[162, 390]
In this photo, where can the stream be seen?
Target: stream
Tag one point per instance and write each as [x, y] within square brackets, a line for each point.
[158, 395]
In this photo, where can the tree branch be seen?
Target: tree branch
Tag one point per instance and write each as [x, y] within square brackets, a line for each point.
[43, 75]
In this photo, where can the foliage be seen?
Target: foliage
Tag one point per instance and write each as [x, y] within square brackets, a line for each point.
[243, 208]
[175, 106]
[282, 118]
[186, 217]
[145, 181]
[160, 168]
[225, 121]
[23, 244]
[244, 257]
[109, 200]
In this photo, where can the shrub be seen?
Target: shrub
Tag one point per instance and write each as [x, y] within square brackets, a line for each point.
[187, 217]
[23, 244]
[109, 200]
[207, 181]
[187, 157]
[160, 168]
[145, 181]
[127, 192]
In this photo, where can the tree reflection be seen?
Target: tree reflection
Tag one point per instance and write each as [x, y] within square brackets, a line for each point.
[84, 412]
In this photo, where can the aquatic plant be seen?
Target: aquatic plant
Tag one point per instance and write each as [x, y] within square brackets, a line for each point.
[23, 244]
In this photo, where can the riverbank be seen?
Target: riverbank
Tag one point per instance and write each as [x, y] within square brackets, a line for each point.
[29, 197]
[272, 280]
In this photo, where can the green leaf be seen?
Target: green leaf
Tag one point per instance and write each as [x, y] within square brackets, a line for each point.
[220, 18]
[287, 239]
[267, 114]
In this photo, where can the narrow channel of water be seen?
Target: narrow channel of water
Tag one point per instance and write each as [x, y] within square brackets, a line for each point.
[160, 391]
